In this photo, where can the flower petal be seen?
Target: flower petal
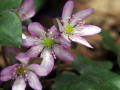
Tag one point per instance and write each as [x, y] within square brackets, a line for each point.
[38, 69]
[61, 29]
[7, 73]
[26, 10]
[30, 41]
[34, 51]
[36, 29]
[63, 53]
[52, 32]
[66, 36]
[81, 15]
[23, 58]
[33, 81]
[86, 30]
[48, 60]
[63, 42]
[67, 10]
[19, 84]
[80, 40]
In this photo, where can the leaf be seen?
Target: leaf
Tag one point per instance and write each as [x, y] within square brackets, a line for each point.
[92, 77]
[38, 4]
[83, 64]
[9, 4]
[10, 29]
[108, 41]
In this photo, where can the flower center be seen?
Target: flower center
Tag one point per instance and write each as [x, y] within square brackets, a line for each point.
[21, 70]
[69, 29]
[48, 42]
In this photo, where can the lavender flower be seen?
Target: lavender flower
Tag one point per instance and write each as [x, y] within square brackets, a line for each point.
[49, 44]
[22, 73]
[26, 10]
[72, 27]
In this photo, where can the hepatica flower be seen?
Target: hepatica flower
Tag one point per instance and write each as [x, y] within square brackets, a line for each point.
[72, 27]
[22, 73]
[47, 44]
[26, 10]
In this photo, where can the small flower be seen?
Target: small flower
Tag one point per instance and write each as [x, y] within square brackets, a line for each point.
[49, 44]
[22, 73]
[72, 26]
[26, 10]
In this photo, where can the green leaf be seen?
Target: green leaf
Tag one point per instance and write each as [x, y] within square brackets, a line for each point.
[38, 4]
[10, 29]
[92, 77]
[9, 4]
[83, 64]
[108, 41]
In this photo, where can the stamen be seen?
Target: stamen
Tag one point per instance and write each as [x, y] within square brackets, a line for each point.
[48, 42]
[69, 29]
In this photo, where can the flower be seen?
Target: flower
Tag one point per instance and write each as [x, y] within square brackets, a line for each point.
[22, 73]
[26, 10]
[49, 44]
[72, 26]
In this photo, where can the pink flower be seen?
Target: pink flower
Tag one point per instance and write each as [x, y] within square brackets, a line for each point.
[26, 10]
[22, 73]
[48, 44]
[72, 27]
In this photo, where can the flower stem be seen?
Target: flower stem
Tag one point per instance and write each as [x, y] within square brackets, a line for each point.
[4, 57]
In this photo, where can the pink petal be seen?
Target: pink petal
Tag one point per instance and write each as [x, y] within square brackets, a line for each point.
[36, 29]
[67, 10]
[8, 70]
[61, 29]
[63, 53]
[48, 60]
[63, 41]
[80, 40]
[23, 58]
[38, 69]
[19, 84]
[52, 32]
[34, 51]
[66, 36]
[5, 78]
[81, 15]
[33, 81]
[26, 10]
[30, 41]
[7, 73]
[86, 30]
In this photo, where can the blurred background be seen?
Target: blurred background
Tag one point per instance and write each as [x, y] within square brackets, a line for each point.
[106, 16]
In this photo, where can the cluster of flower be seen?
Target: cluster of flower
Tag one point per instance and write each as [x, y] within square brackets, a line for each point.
[48, 44]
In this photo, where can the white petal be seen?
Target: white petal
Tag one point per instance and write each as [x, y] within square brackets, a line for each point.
[61, 28]
[81, 15]
[86, 30]
[34, 51]
[67, 10]
[23, 58]
[30, 41]
[80, 40]
[36, 29]
[33, 81]
[62, 53]
[48, 60]
[38, 69]
[19, 84]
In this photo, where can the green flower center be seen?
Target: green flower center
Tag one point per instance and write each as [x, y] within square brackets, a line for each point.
[48, 42]
[21, 70]
[69, 29]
